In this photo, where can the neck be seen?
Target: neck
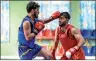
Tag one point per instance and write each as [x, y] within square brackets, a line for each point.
[30, 15]
[64, 27]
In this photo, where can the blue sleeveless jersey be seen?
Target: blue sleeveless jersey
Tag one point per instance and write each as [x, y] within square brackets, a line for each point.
[21, 38]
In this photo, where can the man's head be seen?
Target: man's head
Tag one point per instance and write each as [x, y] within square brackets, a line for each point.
[33, 8]
[64, 18]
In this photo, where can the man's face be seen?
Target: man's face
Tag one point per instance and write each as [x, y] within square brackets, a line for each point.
[36, 12]
[62, 21]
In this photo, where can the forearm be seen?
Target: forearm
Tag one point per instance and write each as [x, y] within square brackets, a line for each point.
[38, 27]
[47, 20]
[55, 15]
[31, 35]
[54, 48]
[81, 43]
[53, 52]
[74, 49]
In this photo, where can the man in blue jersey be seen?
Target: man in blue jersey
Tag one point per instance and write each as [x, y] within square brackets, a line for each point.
[29, 28]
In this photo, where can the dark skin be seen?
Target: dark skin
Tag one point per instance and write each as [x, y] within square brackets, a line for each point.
[27, 26]
[27, 30]
[63, 22]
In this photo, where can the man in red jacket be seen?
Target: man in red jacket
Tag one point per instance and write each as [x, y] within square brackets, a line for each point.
[70, 38]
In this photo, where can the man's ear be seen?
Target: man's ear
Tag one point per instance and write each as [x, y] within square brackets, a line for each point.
[67, 19]
[32, 11]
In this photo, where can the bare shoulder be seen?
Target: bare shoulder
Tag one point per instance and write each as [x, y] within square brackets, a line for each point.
[26, 24]
[74, 31]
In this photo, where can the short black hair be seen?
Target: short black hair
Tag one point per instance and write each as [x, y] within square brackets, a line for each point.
[32, 5]
[65, 14]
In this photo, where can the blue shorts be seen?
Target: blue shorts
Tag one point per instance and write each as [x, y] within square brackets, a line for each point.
[27, 53]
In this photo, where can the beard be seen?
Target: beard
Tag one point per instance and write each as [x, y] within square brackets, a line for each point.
[62, 24]
[35, 15]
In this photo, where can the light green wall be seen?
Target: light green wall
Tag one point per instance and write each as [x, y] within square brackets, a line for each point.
[75, 13]
[17, 12]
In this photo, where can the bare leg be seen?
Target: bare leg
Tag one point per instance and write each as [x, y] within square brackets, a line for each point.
[45, 53]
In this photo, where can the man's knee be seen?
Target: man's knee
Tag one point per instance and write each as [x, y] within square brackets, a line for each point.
[48, 58]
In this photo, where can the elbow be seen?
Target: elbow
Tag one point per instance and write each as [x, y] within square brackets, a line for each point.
[27, 38]
[44, 22]
[83, 41]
